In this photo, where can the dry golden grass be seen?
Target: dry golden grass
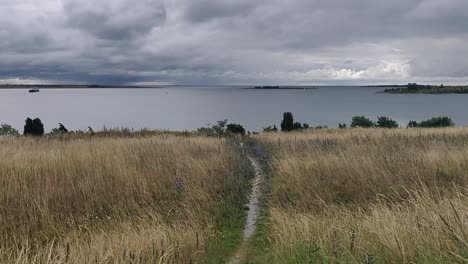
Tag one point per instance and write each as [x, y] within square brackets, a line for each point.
[369, 195]
[112, 200]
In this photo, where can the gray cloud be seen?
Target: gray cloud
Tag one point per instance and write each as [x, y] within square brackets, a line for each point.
[207, 10]
[233, 41]
[115, 20]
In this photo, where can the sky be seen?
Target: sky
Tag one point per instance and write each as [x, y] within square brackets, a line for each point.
[234, 42]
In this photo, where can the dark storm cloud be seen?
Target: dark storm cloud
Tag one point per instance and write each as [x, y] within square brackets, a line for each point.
[233, 41]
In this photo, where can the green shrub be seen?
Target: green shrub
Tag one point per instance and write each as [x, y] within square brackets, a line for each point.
[60, 130]
[362, 121]
[297, 126]
[270, 129]
[235, 129]
[412, 124]
[217, 129]
[221, 128]
[7, 130]
[437, 122]
[386, 122]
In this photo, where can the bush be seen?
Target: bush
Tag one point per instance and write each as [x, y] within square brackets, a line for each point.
[412, 124]
[217, 129]
[385, 122]
[33, 127]
[270, 129]
[305, 126]
[342, 125]
[7, 130]
[288, 122]
[362, 121]
[437, 122]
[235, 129]
[221, 128]
[60, 130]
[297, 126]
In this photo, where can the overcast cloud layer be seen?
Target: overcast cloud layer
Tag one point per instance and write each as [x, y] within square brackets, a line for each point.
[233, 41]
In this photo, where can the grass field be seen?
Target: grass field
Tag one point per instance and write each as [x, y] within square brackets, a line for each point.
[334, 196]
[151, 199]
[367, 196]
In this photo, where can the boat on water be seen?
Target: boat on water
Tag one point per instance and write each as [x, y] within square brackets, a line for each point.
[34, 90]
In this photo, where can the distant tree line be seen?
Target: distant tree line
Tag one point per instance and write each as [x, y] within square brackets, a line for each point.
[35, 127]
[288, 124]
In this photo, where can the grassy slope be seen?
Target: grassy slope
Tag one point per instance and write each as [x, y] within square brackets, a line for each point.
[120, 200]
[372, 196]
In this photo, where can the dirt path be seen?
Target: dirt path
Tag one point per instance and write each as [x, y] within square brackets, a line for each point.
[254, 208]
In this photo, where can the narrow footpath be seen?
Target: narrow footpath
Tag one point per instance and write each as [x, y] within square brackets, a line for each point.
[254, 208]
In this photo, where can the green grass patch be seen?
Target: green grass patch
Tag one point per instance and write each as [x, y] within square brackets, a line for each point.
[231, 213]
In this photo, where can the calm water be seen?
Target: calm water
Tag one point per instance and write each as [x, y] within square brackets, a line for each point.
[178, 108]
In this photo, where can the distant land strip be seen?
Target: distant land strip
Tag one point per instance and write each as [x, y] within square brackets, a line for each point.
[73, 86]
[282, 88]
[414, 88]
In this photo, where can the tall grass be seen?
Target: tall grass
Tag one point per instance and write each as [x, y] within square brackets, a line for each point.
[114, 200]
[369, 195]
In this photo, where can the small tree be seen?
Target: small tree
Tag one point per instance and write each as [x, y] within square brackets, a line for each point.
[288, 122]
[7, 130]
[305, 126]
[28, 127]
[385, 122]
[342, 125]
[63, 128]
[362, 121]
[33, 127]
[235, 129]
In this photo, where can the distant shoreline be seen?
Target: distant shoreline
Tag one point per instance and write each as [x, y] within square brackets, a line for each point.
[426, 89]
[281, 88]
[63, 86]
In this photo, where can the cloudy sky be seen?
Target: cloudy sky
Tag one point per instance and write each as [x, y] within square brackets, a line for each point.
[233, 41]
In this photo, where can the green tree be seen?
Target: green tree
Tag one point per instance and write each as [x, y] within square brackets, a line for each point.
[33, 127]
[386, 122]
[362, 121]
[288, 122]
[63, 128]
[7, 130]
